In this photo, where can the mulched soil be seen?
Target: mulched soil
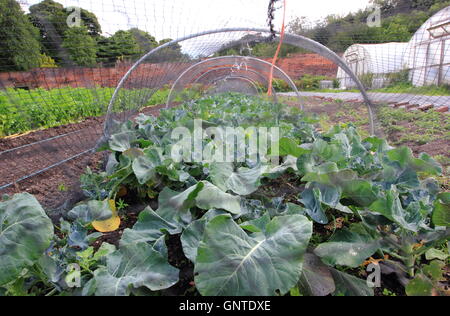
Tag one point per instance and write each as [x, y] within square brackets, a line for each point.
[284, 186]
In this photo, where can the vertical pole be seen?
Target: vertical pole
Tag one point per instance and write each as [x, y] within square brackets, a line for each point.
[441, 64]
[427, 57]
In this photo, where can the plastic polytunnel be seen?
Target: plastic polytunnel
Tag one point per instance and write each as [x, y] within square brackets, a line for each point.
[372, 63]
[428, 54]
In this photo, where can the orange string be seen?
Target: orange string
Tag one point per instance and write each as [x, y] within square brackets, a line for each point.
[275, 58]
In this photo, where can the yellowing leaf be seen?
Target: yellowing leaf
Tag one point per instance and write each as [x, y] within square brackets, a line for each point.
[111, 224]
[133, 153]
[420, 245]
[375, 261]
[122, 192]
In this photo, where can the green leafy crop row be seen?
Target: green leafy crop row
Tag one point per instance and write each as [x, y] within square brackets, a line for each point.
[305, 83]
[239, 239]
[22, 111]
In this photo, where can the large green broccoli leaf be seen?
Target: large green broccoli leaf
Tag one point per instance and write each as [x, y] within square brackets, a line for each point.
[134, 265]
[232, 263]
[25, 233]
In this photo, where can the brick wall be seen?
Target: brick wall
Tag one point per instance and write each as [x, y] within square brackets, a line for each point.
[50, 78]
[300, 64]
[150, 74]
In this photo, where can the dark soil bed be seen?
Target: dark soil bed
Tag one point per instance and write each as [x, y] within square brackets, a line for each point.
[58, 187]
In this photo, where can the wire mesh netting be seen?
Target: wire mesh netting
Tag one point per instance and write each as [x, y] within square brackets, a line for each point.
[97, 64]
[422, 61]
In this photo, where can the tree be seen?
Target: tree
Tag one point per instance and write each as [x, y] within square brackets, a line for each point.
[400, 20]
[269, 50]
[145, 41]
[438, 6]
[322, 35]
[125, 45]
[121, 46]
[299, 25]
[258, 46]
[171, 53]
[423, 4]
[51, 18]
[81, 47]
[90, 21]
[20, 39]
[47, 62]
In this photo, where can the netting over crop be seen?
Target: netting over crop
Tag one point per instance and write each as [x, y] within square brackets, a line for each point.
[377, 60]
[423, 61]
[98, 63]
[206, 73]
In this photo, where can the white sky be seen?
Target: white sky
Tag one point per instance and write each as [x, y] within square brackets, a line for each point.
[177, 18]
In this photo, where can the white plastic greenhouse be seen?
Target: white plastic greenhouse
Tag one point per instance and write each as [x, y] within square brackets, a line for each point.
[428, 55]
[372, 59]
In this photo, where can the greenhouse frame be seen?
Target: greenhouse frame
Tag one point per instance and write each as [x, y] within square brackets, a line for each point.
[372, 63]
[428, 54]
[426, 57]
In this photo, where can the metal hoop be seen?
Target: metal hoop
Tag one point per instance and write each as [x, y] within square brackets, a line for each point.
[295, 40]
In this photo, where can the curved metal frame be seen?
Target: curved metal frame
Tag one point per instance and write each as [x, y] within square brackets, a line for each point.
[295, 40]
[217, 69]
[226, 77]
[235, 76]
[240, 77]
[187, 71]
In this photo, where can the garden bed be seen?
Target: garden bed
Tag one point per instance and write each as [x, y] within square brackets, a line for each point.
[338, 204]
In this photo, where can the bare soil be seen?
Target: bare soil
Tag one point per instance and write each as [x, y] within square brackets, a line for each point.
[58, 187]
